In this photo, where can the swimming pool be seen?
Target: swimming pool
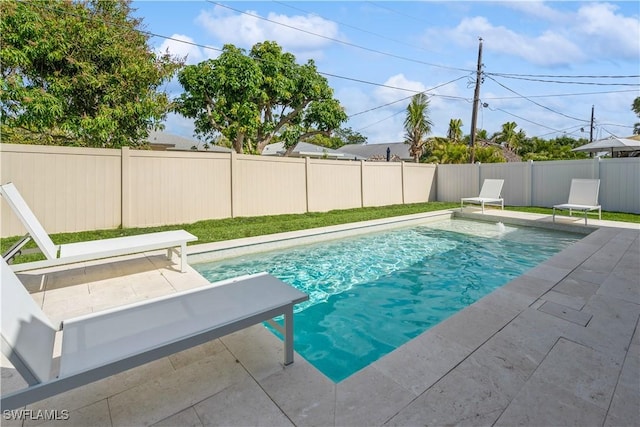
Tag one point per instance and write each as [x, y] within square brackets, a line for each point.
[372, 293]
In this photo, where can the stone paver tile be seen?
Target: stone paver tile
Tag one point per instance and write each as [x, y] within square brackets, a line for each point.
[242, 404]
[10, 378]
[303, 393]
[145, 289]
[624, 285]
[533, 334]
[472, 326]
[382, 399]
[580, 371]
[505, 302]
[573, 302]
[421, 362]
[454, 400]
[625, 406]
[586, 274]
[565, 313]
[169, 394]
[544, 404]
[548, 272]
[529, 285]
[94, 415]
[76, 292]
[186, 418]
[110, 386]
[612, 326]
[194, 354]
[261, 352]
[576, 288]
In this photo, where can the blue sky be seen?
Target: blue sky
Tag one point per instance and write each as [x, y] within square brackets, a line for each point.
[376, 55]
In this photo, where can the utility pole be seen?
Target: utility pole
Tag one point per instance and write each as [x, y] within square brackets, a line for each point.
[476, 99]
[591, 128]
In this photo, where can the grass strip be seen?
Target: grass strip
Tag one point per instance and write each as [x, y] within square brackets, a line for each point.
[234, 228]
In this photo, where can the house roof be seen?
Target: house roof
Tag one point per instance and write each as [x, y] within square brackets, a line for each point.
[304, 149]
[398, 149]
[169, 141]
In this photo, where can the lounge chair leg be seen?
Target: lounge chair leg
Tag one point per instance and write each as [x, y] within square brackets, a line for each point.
[288, 336]
[183, 257]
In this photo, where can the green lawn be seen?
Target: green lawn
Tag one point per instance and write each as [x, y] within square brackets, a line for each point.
[234, 228]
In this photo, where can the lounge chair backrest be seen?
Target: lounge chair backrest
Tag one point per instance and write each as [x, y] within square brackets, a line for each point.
[491, 189]
[584, 192]
[12, 196]
[27, 334]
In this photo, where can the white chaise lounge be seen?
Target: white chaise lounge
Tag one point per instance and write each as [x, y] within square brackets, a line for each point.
[583, 196]
[101, 344]
[490, 194]
[85, 251]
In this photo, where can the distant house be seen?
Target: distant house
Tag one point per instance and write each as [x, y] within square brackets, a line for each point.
[163, 141]
[398, 151]
[305, 149]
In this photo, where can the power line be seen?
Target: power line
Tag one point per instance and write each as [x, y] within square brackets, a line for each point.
[536, 103]
[351, 26]
[564, 82]
[407, 97]
[337, 40]
[564, 77]
[563, 94]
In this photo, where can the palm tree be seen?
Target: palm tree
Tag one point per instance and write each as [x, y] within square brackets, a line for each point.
[508, 135]
[417, 124]
[455, 130]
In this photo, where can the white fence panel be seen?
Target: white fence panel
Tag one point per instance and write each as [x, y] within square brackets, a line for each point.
[457, 181]
[552, 180]
[620, 185]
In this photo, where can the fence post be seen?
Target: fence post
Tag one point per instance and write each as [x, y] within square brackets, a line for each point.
[530, 201]
[596, 167]
[402, 179]
[233, 180]
[125, 187]
[307, 170]
[362, 183]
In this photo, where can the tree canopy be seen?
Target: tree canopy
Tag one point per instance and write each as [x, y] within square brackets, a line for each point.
[417, 124]
[256, 98]
[79, 73]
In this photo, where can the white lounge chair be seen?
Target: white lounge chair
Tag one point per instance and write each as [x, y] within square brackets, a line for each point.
[490, 194]
[105, 343]
[85, 251]
[583, 196]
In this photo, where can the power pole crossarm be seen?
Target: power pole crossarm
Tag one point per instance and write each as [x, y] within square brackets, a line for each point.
[476, 99]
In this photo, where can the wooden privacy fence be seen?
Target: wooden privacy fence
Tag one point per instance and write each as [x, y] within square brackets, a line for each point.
[75, 189]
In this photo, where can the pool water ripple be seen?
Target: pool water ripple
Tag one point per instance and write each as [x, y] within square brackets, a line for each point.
[372, 293]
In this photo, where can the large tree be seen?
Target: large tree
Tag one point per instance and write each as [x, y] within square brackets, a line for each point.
[417, 124]
[80, 73]
[258, 97]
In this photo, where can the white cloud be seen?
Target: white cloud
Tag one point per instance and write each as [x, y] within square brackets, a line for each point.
[537, 9]
[244, 30]
[549, 48]
[387, 94]
[592, 32]
[608, 33]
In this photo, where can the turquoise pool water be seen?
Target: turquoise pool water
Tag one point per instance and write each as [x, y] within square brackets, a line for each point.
[372, 293]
